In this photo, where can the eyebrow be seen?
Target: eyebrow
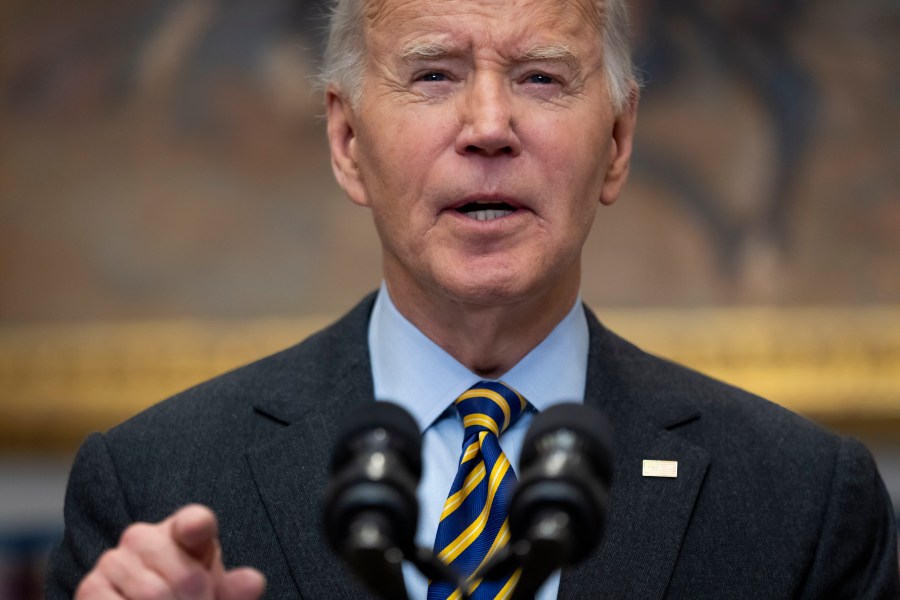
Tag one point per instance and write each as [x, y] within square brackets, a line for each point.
[426, 50]
[416, 51]
[552, 52]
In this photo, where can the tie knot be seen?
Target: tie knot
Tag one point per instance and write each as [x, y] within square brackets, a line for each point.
[489, 406]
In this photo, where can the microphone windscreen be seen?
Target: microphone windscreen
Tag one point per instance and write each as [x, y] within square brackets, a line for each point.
[400, 427]
[593, 430]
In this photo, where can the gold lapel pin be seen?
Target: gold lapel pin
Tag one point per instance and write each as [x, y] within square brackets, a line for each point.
[660, 468]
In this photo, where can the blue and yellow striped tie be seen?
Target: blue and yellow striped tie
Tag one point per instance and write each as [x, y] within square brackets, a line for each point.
[474, 522]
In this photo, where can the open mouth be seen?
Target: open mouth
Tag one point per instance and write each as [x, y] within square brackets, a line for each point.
[485, 211]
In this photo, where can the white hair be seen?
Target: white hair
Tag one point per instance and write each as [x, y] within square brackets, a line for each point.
[345, 53]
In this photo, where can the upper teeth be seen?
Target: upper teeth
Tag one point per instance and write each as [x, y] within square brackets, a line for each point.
[487, 214]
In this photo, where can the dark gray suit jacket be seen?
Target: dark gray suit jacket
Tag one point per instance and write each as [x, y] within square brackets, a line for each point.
[765, 505]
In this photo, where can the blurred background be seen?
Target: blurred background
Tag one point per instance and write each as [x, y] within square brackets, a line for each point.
[167, 212]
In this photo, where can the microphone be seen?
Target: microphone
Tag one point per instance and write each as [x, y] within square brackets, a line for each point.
[370, 507]
[557, 513]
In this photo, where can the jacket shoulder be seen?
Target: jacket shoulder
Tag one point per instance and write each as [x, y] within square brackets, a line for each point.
[222, 408]
[674, 395]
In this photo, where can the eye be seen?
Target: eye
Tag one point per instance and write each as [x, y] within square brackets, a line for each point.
[433, 77]
[540, 78]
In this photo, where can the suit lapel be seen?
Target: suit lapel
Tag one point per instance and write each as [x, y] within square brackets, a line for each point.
[648, 516]
[647, 520]
[290, 469]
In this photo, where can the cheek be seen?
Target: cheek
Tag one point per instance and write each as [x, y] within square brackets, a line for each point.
[576, 165]
[593, 158]
[573, 140]
[399, 151]
[394, 168]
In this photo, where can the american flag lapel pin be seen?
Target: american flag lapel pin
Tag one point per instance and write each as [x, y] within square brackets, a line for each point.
[660, 468]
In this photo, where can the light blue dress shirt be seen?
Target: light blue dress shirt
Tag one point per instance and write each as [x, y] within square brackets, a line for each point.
[414, 372]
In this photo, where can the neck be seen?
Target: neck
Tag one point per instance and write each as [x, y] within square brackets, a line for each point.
[488, 339]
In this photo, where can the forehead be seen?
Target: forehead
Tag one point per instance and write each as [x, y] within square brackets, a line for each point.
[394, 22]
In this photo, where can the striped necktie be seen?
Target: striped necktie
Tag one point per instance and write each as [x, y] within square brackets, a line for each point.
[474, 522]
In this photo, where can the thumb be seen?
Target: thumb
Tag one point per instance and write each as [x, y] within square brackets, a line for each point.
[243, 583]
[195, 530]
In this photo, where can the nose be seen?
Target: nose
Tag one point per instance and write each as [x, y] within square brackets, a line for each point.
[486, 111]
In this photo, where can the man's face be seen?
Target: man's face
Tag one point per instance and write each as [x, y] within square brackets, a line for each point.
[483, 142]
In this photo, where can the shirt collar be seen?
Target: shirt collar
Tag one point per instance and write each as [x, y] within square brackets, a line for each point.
[414, 372]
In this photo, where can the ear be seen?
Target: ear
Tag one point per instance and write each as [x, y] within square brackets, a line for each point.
[343, 141]
[622, 142]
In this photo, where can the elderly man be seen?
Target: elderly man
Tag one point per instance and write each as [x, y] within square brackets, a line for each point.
[482, 135]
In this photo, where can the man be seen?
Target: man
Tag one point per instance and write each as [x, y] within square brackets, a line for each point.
[482, 135]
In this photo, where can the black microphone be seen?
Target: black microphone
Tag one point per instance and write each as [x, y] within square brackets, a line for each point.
[370, 508]
[558, 510]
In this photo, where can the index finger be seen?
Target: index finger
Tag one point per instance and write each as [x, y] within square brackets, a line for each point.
[196, 531]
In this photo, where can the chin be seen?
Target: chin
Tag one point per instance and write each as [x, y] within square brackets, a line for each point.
[488, 289]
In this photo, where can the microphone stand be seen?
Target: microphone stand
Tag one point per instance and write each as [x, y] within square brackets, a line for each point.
[373, 556]
[543, 550]
[378, 561]
[435, 569]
